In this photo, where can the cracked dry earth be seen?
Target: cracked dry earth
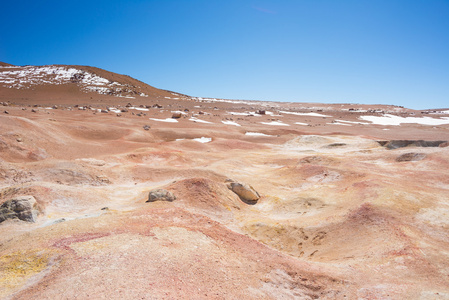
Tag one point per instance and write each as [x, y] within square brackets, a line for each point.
[340, 216]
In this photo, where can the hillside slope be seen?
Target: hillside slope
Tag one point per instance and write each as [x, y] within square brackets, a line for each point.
[70, 84]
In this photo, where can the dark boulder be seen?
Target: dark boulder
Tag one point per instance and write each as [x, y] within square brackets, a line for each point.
[395, 144]
[160, 195]
[411, 157]
[23, 208]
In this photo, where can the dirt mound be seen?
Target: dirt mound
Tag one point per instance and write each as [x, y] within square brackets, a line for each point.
[210, 197]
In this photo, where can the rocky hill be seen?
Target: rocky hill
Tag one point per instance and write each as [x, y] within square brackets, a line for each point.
[71, 83]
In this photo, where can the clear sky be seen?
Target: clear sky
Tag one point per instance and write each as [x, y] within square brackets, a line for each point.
[330, 51]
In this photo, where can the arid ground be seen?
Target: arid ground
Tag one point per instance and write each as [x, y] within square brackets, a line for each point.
[353, 198]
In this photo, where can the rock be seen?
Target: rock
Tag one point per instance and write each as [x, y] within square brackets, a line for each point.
[146, 127]
[261, 112]
[129, 105]
[123, 110]
[103, 179]
[23, 208]
[334, 145]
[394, 144]
[6, 112]
[246, 192]
[33, 110]
[411, 157]
[176, 115]
[157, 106]
[160, 195]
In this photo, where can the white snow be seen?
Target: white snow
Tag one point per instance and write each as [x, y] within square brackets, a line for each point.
[179, 112]
[203, 140]
[300, 123]
[393, 120]
[230, 123]
[272, 114]
[168, 120]
[98, 89]
[257, 134]
[311, 114]
[115, 110]
[139, 108]
[239, 113]
[209, 100]
[336, 123]
[275, 123]
[199, 120]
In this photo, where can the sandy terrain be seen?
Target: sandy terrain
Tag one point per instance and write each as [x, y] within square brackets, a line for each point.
[346, 212]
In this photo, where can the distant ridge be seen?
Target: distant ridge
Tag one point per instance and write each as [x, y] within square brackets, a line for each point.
[3, 64]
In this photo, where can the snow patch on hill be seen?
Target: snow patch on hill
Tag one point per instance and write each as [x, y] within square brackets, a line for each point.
[29, 76]
[388, 119]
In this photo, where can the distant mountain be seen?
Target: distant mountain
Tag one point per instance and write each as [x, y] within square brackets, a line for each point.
[2, 64]
[71, 82]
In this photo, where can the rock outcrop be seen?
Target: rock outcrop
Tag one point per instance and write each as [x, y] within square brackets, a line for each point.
[23, 208]
[160, 195]
[412, 156]
[245, 192]
[394, 144]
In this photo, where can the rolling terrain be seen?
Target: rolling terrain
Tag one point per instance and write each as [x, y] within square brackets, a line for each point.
[353, 198]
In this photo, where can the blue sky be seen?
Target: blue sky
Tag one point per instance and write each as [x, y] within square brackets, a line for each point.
[378, 51]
